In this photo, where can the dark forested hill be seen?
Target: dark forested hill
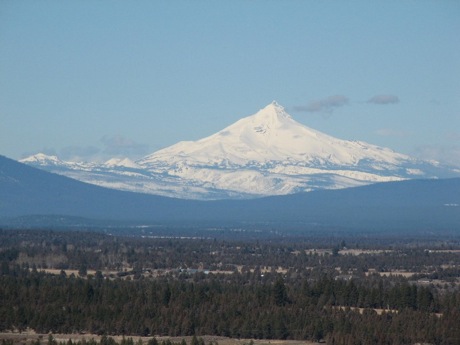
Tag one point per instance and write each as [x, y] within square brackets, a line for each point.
[428, 205]
[29, 191]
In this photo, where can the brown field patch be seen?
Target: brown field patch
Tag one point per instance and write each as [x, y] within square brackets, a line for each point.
[27, 337]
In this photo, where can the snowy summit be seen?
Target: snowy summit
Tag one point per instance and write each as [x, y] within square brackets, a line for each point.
[272, 135]
[268, 153]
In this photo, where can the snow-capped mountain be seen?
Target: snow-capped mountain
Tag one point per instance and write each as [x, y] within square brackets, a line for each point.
[268, 153]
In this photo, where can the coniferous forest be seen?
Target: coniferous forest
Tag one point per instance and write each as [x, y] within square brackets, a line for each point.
[340, 290]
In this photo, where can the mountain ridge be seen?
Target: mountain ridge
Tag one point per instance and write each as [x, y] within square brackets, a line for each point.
[270, 129]
[267, 153]
[415, 205]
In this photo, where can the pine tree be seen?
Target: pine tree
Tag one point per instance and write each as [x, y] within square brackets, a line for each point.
[279, 292]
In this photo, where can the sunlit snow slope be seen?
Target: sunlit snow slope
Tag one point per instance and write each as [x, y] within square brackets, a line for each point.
[268, 153]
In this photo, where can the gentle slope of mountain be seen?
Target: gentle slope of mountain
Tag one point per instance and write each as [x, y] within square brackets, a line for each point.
[267, 153]
[421, 205]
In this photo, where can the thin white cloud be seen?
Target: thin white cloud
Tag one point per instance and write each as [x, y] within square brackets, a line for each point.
[116, 146]
[120, 146]
[79, 153]
[383, 99]
[444, 154]
[326, 105]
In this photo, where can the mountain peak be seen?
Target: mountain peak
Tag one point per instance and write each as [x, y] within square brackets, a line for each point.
[271, 137]
[274, 109]
[41, 158]
[267, 153]
[267, 120]
[276, 105]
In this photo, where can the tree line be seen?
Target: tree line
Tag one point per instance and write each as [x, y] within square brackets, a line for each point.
[277, 289]
[239, 305]
[90, 250]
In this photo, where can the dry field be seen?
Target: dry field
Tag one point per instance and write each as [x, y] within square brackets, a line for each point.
[361, 310]
[377, 310]
[356, 252]
[27, 337]
[392, 273]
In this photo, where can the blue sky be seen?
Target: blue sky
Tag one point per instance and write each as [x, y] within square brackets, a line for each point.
[93, 79]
